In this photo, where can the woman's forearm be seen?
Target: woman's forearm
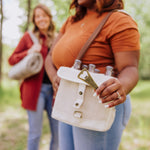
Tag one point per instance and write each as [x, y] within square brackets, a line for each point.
[50, 68]
[129, 78]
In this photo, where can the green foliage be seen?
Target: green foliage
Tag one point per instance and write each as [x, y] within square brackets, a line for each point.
[62, 11]
[136, 135]
[7, 50]
[142, 88]
[140, 11]
[9, 94]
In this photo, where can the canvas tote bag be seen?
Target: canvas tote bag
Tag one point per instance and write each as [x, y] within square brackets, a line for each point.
[74, 101]
[29, 65]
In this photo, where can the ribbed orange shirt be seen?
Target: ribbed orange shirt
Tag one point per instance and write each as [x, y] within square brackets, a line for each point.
[119, 34]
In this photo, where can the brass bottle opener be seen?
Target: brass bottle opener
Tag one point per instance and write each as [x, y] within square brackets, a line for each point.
[85, 76]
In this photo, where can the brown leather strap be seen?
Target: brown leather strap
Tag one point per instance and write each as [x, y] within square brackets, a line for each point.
[93, 36]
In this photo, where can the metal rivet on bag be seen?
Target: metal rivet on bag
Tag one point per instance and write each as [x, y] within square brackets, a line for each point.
[78, 114]
[77, 104]
[80, 92]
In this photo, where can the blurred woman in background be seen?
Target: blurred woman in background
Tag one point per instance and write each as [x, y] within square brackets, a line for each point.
[37, 91]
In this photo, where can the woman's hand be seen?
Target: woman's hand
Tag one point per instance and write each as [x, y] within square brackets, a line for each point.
[55, 84]
[111, 92]
[34, 48]
[114, 91]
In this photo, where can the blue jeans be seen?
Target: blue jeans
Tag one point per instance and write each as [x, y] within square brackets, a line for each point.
[35, 119]
[74, 138]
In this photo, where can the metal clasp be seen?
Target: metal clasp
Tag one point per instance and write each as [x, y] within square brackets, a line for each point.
[85, 76]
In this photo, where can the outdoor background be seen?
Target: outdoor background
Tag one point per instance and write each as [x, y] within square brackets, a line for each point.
[14, 20]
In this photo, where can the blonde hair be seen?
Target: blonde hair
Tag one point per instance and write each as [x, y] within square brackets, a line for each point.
[51, 29]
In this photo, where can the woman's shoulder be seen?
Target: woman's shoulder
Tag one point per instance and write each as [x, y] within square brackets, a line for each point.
[122, 17]
[69, 20]
[120, 21]
[66, 24]
[25, 35]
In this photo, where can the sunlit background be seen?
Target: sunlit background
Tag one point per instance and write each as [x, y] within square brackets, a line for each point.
[14, 16]
[13, 119]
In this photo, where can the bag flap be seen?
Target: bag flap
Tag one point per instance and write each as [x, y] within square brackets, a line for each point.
[71, 74]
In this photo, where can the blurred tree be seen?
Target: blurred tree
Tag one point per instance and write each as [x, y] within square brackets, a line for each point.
[1, 46]
[27, 6]
[28, 14]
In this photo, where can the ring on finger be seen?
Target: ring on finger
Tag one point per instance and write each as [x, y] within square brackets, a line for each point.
[119, 96]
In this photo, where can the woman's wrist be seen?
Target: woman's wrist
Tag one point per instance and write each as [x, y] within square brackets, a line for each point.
[129, 79]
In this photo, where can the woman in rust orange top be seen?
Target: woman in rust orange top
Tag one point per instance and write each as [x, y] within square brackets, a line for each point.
[117, 45]
[36, 91]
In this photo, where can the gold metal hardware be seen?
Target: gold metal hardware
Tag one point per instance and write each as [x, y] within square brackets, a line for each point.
[85, 76]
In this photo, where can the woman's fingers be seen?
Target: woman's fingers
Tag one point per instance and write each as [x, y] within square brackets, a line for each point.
[56, 81]
[111, 92]
[108, 87]
[115, 98]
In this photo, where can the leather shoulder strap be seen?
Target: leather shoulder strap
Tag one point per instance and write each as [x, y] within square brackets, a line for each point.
[93, 36]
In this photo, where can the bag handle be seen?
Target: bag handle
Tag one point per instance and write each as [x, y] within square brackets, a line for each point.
[93, 36]
[33, 37]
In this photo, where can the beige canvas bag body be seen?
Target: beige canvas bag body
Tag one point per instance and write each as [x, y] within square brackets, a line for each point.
[29, 65]
[75, 103]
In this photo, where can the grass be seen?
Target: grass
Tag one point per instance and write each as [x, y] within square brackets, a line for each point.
[14, 126]
[13, 120]
[136, 136]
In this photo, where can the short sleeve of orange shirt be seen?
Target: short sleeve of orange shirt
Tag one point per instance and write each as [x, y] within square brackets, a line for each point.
[124, 35]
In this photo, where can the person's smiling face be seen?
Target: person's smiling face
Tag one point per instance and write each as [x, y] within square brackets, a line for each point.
[42, 20]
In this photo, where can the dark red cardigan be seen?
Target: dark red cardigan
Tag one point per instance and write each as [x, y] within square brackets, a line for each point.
[30, 87]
